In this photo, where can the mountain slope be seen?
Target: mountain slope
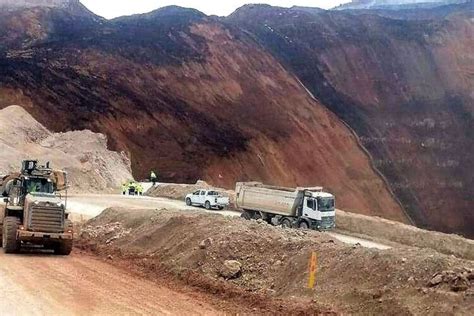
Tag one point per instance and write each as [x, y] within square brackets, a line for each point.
[395, 4]
[184, 95]
[404, 86]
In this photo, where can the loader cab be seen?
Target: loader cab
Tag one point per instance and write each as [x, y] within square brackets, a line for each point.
[38, 185]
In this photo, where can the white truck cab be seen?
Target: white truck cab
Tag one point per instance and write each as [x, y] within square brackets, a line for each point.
[207, 198]
[319, 208]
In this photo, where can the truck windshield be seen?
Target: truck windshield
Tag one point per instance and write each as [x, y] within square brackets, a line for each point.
[39, 186]
[326, 204]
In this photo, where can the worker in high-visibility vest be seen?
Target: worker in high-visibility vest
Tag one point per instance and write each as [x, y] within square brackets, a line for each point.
[153, 177]
[132, 188]
[139, 189]
[124, 188]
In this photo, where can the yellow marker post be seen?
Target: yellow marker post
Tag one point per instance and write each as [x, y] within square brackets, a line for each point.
[313, 266]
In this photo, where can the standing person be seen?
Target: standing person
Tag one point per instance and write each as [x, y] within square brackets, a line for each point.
[153, 177]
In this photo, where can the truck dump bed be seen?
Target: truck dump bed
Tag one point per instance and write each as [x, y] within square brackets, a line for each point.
[270, 199]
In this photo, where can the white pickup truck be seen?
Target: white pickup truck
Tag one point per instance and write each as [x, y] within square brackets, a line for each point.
[207, 198]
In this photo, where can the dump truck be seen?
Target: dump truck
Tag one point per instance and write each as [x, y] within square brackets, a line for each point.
[34, 210]
[305, 208]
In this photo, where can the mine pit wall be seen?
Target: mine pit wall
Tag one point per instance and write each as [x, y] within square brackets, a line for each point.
[404, 234]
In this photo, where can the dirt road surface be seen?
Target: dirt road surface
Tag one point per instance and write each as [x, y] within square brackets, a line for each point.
[37, 284]
[84, 207]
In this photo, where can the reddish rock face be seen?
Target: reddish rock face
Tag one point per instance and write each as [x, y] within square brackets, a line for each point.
[184, 95]
[405, 86]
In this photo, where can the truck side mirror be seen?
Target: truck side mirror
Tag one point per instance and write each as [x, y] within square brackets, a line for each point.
[5, 200]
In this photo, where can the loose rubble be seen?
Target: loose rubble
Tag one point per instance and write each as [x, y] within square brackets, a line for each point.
[84, 155]
[258, 258]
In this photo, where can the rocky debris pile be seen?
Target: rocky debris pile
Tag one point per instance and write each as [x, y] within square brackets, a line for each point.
[84, 155]
[179, 191]
[457, 280]
[110, 232]
[272, 261]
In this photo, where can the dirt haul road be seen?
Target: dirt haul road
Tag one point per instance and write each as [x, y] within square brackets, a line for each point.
[36, 284]
[84, 207]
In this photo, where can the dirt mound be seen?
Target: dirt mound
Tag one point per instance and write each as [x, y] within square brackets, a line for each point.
[84, 155]
[178, 191]
[230, 254]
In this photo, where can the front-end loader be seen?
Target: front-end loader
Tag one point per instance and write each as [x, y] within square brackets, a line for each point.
[34, 209]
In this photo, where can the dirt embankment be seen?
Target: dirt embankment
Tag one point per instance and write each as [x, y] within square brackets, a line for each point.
[375, 227]
[84, 155]
[267, 265]
[380, 228]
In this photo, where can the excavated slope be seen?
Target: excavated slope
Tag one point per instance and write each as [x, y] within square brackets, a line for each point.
[187, 96]
[405, 86]
[84, 155]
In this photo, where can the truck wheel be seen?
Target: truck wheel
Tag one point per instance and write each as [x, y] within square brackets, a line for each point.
[10, 243]
[188, 202]
[286, 223]
[246, 215]
[303, 225]
[64, 248]
[207, 205]
[257, 216]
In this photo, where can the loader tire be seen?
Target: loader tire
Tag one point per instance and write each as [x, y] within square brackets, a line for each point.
[10, 243]
[64, 248]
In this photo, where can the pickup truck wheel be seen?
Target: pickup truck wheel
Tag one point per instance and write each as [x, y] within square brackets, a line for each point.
[188, 202]
[286, 223]
[10, 242]
[303, 225]
[207, 205]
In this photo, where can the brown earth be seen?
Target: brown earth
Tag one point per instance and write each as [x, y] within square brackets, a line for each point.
[274, 261]
[404, 85]
[185, 95]
[84, 155]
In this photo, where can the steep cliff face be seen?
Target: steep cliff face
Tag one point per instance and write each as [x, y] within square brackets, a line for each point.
[184, 95]
[404, 86]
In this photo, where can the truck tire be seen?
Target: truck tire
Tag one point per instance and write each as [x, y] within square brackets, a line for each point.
[256, 216]
[10, 243]
[246, 215]
[207, 205]
[303, 225]
[64, 247]
[188, 202]
[286, 223]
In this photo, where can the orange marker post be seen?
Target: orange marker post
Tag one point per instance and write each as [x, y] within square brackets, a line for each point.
[313, 266]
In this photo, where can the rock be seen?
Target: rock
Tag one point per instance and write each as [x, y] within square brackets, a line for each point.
[437, 279]
[231, 269]
[205, 243]
[404, 260]
[109, 257]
